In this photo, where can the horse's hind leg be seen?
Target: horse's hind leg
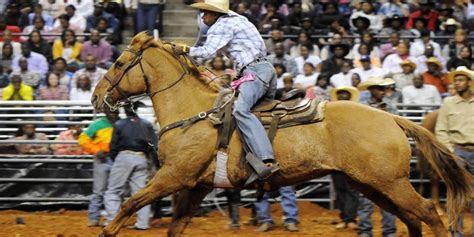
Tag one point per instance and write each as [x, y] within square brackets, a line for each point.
[162, 185]
[186, 202]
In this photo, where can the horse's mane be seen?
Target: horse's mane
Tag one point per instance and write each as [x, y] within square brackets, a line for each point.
[143, 40]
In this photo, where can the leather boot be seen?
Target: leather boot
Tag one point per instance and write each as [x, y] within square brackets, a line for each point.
[234, 216]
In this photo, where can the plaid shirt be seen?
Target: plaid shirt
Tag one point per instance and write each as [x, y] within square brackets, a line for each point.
[236, 36]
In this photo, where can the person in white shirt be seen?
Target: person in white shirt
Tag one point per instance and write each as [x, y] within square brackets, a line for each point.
[53, 8]
[418, 47]
[83, 90]
[367, 70]
[420, 93]
[405, 78]
[74, 18]
[84, 8]
[344, 78]
[391, 64]
[367, 11]
[306, 57]
[308, 79]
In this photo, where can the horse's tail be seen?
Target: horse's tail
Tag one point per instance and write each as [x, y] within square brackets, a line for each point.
[448, 166]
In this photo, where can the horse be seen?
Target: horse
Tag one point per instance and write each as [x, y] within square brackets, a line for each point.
[369, 147]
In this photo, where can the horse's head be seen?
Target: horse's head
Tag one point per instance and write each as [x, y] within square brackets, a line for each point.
[126, 77]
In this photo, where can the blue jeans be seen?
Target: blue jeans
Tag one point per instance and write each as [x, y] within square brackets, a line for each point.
[101, 171]
[366, 208]
[146, 16]
[288, 204]
[132, 169]
[468, 156]
[250, 93]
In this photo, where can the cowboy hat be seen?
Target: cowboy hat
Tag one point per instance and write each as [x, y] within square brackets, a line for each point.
[355, 95]
[408, 62]
[221, 6]
[450, 22]
[365, 20]
[375, 81]
[434, 60]
[462, 70]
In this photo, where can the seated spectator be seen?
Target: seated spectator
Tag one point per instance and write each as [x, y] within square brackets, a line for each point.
[53, 8]
[330, 14]
[95, 73]
[418, 47]
[27, 132]
[36, 62]
[93, 20]
[460, 10]
[349, 93]
[361, 24]
[367, 70]
[343, 78]
[74, 18]
[376, 97]
[448, 29]
[420, 93]
[464, 58]
[113, 36]
[39, 45]
[394, 8]
[435, 76]
[445, 12]
[280, 72]
[395, 24]
[4, 78]
[271, 14]
[83, 89]
[420, 24]
[68, 47]
[84, 8]
[276, 36]
[373, 50]
[28, 77]
[425, 11]
[4, 26]
[391, 63]
[99, 48]
[429, 53]
[7, 57]
[392, 96]
[17, 90]
[307, 26]
[365, 49]
[72, 134]
[280, 57]
[306, 57]
[243, 10]
[287, 86]
[64, 24]
[391, 46]
[308, 78]
[303, 39]
[368, 12]
[38, 25]
[333, 64]
[53, 90]
[15, 17]
[115, 8]
[59, 67]
[404, 78]
[8, 39]
[321, 90]
[453, 49]
[296, 15]
[38, 13]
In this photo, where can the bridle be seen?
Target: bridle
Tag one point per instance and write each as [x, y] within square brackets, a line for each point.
[138, 56]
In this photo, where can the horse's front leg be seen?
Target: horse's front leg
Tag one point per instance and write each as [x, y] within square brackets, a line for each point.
[163, 184]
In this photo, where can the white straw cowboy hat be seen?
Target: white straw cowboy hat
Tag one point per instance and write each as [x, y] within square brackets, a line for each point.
[436, 61]
[462, 70]
[221, 6]
[375, 81]
[408, 62]
[355, 95]
[450, 22]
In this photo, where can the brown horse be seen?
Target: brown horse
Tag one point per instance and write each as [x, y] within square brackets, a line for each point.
[367, 145]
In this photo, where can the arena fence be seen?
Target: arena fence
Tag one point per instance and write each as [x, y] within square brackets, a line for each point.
[43, 179]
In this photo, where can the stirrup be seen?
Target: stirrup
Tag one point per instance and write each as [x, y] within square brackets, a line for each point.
[261, 170]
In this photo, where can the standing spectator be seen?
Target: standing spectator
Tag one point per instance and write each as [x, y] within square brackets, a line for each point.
[39, 45]
[425, 11]
[308, 78]
[15, 17]
[99, 48]
[343, 78]
[4, 26]
[95, 141]
[333, 64]
[418, 47]
[147, 11]
[84, 8]
[368, 12]
[38, 25]
[405, 78]
[7, 57]
[289, 206]
[68, 47]
[17, 90]
[321, 90]
[464, 58]
[367, 70]
[420, 93]
[59, 67]
[435, 76]
[303, 39]
[306, 57]
[129, 149]
[38, 13]
[27, 132]
[53, 8]
[53, 90]
[83, 90]
[72, 134]
[95, 73]
[454, 125]
[280, 57]
[74, 18]
[391, 64]
[28, 77]
[36, 62]
[92, 20]
[64, 24]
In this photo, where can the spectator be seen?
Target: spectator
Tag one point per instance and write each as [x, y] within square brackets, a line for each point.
[53, 8]
[95, 73]
[93, 20]
[4, 27]
[330, 14]
[307, 26]
[75, 19]
[366, 49]
[83, 90]
[307, 79]
[271, 14]
[288, 84]
[99, 48]
[130, 151]
[454, 125]
[4, 80]
[326, 51]
[103, 26]
[72, 134]
[296, 15]
[15, 17]
[280, 57]
[321, 90]
[59, 67]
[418, 47]
[276, 36]
[68, 47]
[38, 13]
[303, 39]
[448, 28]
[28, 77]
[243, 10]
[394, 8]
[368, 39]
[420, 93]
[391, 46]
[460, 10]
[405, 78]
[368, 12]
[27, 132]
[218, 66]
[64, 24]
[392, 96]
[333, 64]
[289, 206]
[7, 38]
[147, 11]
[17, 90]
[39, 45]
[53, 90]
[95, 141]
[395, 24]
[38, 25]
[84, 8]
[425, 11]
[367, 70]
[420, 25]
[434, 76]
[445, 12]
[7, 57]
[349, 93]
[391, 64]
[452, 50]
[464, 58]
[343, 78]
[37, 62]
[280, 70]
[306, 57]
[116, 9]
[423, 59]
[361, 24]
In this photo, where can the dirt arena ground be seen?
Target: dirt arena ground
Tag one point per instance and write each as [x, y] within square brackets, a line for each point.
[315, 221]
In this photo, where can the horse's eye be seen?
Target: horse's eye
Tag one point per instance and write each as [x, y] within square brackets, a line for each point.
[118, 64]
